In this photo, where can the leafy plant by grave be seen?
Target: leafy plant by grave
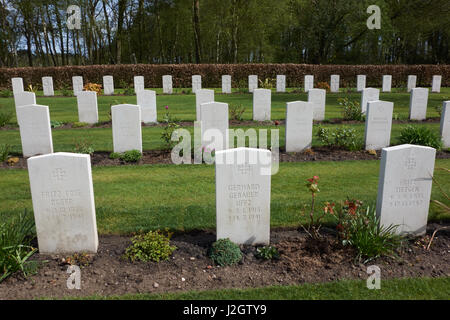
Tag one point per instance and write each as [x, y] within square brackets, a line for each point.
[93, 87]
[127, 89]
[15, 246]
[444, 205]
[131, 156]
[369, 238]
[323, 85]
[225, 253]
[33, 89]
[351, 109]
[267, 83]
[171, 125]
[152, 246]
[84, 146]
[65, 91]
[236, 111]
[420, 135]
[342, 137]
[55, 123]
[267, 253]
[5, 117]
[114, 155]
[5, 150]
[79, 124]
[6, 93]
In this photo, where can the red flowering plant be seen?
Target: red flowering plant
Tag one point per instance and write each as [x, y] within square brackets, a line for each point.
[315, 223]
[344, 214]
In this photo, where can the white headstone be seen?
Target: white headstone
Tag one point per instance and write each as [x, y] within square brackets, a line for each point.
[404, 187]
[167, 84]
[87, 107]
[35, 130]
[77, 83]
[243, 196]
[378, 124]
[299, 125]
[318, 97]
[226, 84]
[387, 83]
[309, 82]
[252, 83]
[108, 85]
[436, 84]
[196, 83]
[63, 203]
[360, 82]
[369, 94]
[334, 83]
[445, 124]
[126, 127]
[202, 96]
[47, 85]
[138, 83]
[411, 82]
[146, 99]
[418, 104]
[24, 98]
[214, 125]
[262, 100]
[281, 83]
[17, 85]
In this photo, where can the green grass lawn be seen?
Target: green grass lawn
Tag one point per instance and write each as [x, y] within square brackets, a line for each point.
[148, 197]
[392, 289]
[182, 106]
[101, 138]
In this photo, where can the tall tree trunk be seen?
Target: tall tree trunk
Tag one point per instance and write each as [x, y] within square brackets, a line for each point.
[196, 25]
[122, 7]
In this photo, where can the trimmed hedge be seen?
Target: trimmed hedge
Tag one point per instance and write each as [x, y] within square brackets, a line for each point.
[211, 74]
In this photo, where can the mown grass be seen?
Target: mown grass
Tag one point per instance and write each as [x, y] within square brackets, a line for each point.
[392, 289]
[101, 138]
[182, 106]
[181, 198]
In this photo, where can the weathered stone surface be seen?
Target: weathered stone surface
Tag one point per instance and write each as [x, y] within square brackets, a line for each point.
[378, 124]
[404, 187]
[418, 104]
[299, 125]
[139, 84]
[308, 82]
[196, 83]
[214, 125]
[369, 94]
[126, 127]
[146, 99]
[445, 124]
[360, 82]
[167, 84]
[87, 107]
[77, 83]
[243, 196]
[281, 83]
[202, 96]
[318, 98]
[226, 84]
[252, 83]
[47, 85]
[17, 85]
[24, 98]
[334, 83]
[108, 85]
[411, 82]
[387, 83]
[262, 99]
[436, 84]
[63, 203]
[35, 130]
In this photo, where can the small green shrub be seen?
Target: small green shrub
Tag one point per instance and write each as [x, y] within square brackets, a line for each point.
[15, 246]
[351, 110]
[236, 111]
[225, 253]
[420, 135]
[6, 93]
[65, 91]
[267, 253]
[369, 238]
[5, 117]
[5, 150]
[131, 156]
[170, 127]
[342, 137]
[83, 146]
[79, 124]
[152, 246]
[127, 89]
[55, 124]
[114, 155]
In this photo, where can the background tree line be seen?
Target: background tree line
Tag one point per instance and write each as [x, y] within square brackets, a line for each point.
[35, 33]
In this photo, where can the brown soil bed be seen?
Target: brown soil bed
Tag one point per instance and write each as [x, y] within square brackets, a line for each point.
[244, 123]
[163, 157]
[302, 260]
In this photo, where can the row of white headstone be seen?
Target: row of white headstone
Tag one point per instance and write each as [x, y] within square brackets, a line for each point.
[108, 84]
[64, 208]
[36, 137]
